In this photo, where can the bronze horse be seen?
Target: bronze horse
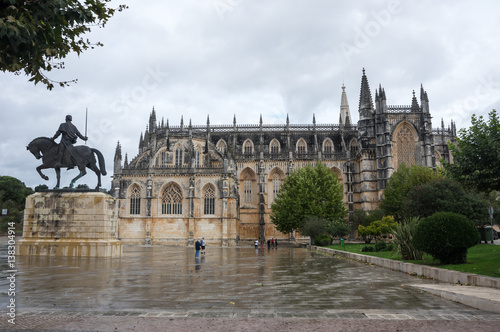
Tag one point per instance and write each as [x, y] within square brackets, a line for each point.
[46, 149]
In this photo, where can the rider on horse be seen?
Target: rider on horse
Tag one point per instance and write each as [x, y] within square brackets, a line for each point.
[69, 135]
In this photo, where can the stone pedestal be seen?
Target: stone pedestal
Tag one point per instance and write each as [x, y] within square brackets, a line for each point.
[81, 224]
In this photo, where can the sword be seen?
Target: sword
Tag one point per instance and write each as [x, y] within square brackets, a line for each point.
[86, 116]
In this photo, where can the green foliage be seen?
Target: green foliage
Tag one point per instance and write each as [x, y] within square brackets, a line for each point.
[446, 236]
[338, 229]
[314, 226]
[13, 194]
[13, 189]
[376, 229]
[308, 192]
[36, 35]
[367, 249]
[380, 246]
[446, 196]
[476, 157]
[403, 239]
[323, 240]
[401, 183]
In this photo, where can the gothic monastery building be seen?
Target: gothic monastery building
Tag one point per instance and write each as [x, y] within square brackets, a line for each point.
[219, 181]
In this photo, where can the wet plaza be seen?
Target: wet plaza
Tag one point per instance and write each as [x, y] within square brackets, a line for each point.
[229, 282]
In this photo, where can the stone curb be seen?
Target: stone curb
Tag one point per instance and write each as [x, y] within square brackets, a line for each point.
[452, 277]
[466, 295]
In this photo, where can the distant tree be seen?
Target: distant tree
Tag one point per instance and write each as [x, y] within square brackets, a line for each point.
[36, 35]
[377, 229]
[476, 156]
[314, 226]
[446, 196]
[13, 189]
[338, 229]
[401, 183]
[82, 186]
[13, 194]
[308, 192]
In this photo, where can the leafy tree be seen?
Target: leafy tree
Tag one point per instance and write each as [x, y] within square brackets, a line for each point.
[36, 35]
[308, 192]
[376, 229]
[365, 218]
[338, 229]
[12, 197]
[446, 236]
[314, 226]
[13, 189]
[401, 183]
[446, 196]
[476, 157]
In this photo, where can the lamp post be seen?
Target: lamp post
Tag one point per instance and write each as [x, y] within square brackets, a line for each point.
[490, 210]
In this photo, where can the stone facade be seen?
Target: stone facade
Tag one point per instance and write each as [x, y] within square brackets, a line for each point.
[219, 182]
[81, 224]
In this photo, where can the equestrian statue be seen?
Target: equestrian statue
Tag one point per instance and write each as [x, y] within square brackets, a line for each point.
[62, 155]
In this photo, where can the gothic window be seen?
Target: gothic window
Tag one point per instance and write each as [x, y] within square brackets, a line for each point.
[178, 157]
[209, 200]
[197, 158]
[162, 158]
[274, 147]
[301, 147]
[248, 147]
[247, 189]
[338, 174]
[328, 146]
[404, 146]
[171, 200]
[276, 185]
[135, 200]
[221, 146]
[438, 158]
[353, 147]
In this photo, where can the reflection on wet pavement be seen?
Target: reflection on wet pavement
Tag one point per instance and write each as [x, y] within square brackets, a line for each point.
[171, 278]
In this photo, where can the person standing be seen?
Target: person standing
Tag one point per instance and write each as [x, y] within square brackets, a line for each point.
[203, 244]
[197, 247]
[256, 244]
[276, 243]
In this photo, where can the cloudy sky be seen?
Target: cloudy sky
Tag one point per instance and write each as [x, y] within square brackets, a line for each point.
[244, 58]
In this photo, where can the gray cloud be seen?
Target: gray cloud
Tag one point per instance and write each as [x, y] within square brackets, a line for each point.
[245, 58]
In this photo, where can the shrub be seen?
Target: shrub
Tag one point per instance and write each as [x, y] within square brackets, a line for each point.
[380, 246]
[378, 228]
[367, 249]
[323, 240]
[403, 239]
[446, 236]
[338, 229]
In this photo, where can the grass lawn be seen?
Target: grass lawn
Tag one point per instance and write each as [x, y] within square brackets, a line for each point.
[483, 259]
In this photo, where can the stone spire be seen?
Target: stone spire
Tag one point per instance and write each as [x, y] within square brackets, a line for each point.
[118, 152]
[414, 103]
[365, 96]
[345, 113]
[117, 168]
[152, 120]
